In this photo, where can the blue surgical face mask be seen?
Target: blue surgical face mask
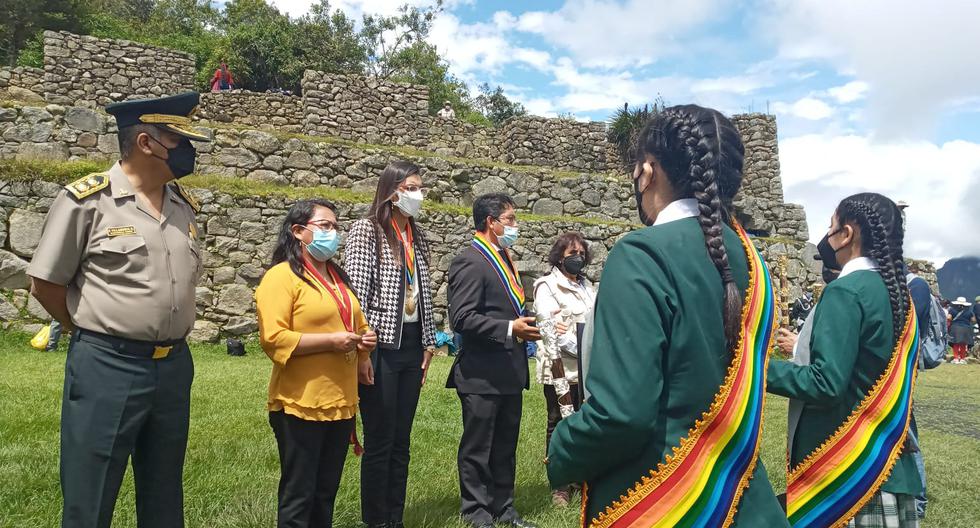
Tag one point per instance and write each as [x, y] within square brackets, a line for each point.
[509, 238]
[324, 244]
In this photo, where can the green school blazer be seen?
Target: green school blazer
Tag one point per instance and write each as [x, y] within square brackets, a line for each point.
[658, 359]
[850, 347]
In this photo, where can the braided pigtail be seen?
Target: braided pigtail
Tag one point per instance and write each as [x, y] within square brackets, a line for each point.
[880, 221]
[702, 154]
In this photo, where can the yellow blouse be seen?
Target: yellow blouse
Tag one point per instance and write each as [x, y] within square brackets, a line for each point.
[317, 387]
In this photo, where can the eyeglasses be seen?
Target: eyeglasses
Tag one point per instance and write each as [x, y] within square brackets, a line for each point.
[325, 225]
[413, 188]
[507, 220]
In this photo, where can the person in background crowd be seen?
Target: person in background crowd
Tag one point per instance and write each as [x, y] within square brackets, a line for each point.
[961, 329]
[668, 327]
[565, 295]
[863, 331]
[486, 307]
[312, 328]
[446, 112]
[387, 259]
[222, 79]
[117, 264]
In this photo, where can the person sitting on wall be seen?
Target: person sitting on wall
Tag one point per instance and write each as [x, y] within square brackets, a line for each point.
[447, 111]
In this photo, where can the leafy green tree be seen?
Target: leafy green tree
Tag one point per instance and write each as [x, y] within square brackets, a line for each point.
[22, 20]
[421, 64]
[493, 104]
[386, 37]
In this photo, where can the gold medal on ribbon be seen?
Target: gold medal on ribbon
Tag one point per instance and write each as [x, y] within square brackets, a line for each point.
[410, 299]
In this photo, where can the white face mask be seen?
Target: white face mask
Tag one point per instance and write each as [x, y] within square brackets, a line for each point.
[410, 203]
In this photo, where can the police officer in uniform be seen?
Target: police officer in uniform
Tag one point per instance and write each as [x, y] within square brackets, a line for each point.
[117, 264]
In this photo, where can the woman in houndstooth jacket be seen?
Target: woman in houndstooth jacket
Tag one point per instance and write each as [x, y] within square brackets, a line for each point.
[387, 259]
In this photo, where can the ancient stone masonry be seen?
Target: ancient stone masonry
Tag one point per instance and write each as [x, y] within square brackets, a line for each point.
[92, 72]
[267, 111]
[339, 136]
[239, 235]
[364, 109]
[22, 83]
[562, 144]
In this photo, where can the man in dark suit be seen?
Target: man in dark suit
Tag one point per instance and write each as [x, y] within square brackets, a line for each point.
[486, 306]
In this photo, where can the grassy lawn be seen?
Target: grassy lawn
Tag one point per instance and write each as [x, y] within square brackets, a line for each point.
[232, 469]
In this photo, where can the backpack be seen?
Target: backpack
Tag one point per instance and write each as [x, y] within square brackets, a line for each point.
[935, 336]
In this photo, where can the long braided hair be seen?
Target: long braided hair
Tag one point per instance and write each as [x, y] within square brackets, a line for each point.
[880, 221]
[701, 152]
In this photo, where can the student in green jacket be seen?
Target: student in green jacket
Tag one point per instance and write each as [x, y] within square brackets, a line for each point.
[860, 319]
[667, 329]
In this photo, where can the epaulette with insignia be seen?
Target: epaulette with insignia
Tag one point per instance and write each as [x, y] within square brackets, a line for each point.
[89, 185]
[188, 197]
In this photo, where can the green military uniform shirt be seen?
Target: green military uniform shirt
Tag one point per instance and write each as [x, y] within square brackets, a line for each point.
[850, 346]
[658, 359]
[128, 274]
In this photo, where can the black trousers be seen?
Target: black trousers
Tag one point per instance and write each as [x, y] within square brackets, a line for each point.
[118, 403]
[487, 458]
[387, 413]
[311, 458]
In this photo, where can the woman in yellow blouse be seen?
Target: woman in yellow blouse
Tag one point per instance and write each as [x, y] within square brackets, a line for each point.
[312, 328]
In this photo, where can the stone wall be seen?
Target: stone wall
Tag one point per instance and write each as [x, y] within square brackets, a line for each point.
[22, 83]
[364, 109]
[239, 235]
[60, 133]
[92, 72]
[267, 111]
[561, 144]
[56, 133]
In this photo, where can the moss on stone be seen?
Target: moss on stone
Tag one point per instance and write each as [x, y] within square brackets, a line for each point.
[63, 172]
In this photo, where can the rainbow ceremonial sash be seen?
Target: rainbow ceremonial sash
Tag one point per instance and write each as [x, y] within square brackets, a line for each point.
[511, 280]
[702, 482]
[835, 481]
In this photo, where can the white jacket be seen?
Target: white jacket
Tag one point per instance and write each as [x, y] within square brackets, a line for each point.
[554, 292]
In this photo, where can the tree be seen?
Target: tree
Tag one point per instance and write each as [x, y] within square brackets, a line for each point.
[421, 64]
[22, 20]
[386, 37]
[328, 41]
[496, 106]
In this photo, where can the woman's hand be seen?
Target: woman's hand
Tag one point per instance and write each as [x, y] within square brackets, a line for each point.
[426, 360]
[365, 372]
[345, 342]
[369, 340]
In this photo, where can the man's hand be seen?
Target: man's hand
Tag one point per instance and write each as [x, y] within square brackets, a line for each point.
[365, 372]
[369, 340]
[54, 298]
[786, 340]
[523, 329]
[426, 360]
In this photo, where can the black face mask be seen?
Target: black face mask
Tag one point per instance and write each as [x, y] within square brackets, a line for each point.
[574, 264]
[180, 159]
[639, 203]
[827, 253]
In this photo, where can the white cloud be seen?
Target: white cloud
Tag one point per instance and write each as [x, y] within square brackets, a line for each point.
[608, 33]
[739, 84]
[850, 92]
[940, 182]
[808, 107]
[917, 57]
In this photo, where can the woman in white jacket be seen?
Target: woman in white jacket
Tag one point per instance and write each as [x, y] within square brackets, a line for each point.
[565, 296]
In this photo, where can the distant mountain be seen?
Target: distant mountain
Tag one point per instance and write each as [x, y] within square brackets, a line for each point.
[960, 277]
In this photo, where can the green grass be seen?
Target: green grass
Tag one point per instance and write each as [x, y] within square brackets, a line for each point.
[232, 468]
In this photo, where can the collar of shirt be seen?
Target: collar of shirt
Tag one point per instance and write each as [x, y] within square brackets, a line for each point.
[676, 210]
[858, 264]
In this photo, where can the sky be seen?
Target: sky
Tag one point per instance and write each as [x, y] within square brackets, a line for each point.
[870, 95]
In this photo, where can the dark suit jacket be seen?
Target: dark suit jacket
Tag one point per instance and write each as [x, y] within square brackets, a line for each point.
[481, 312]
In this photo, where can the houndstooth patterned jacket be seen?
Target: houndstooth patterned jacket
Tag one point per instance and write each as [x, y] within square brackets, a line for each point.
[380, 283]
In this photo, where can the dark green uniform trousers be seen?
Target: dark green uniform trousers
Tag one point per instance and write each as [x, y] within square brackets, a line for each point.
[120, 402]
